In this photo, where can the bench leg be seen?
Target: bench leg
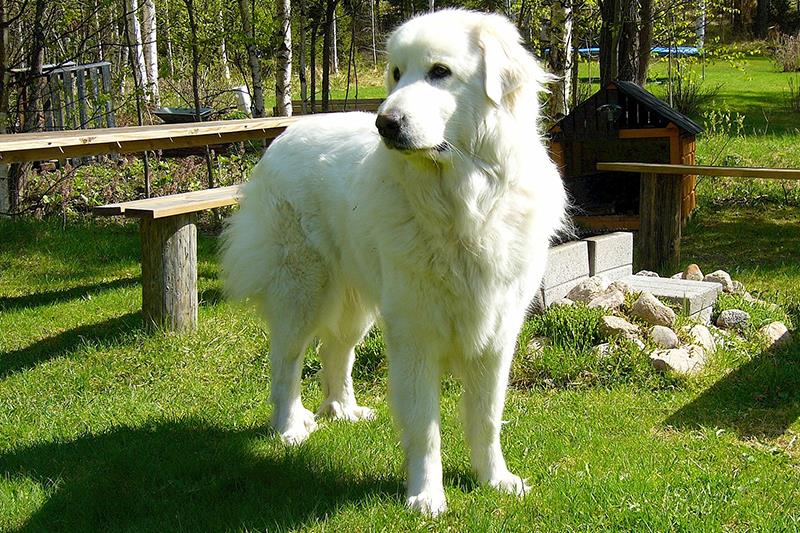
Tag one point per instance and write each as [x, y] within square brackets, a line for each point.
[169, 272]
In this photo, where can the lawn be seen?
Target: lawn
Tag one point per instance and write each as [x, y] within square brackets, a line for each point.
[104, 426]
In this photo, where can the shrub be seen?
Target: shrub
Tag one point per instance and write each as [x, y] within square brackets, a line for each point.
[786, 53]
[689, 95]
[793, 96]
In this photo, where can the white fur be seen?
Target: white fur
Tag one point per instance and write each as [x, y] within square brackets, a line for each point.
[445, 247]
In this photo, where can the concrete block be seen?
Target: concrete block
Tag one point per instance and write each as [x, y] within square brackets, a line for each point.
[615, 273]
[566, 262]
[610, 251]
[693, 296]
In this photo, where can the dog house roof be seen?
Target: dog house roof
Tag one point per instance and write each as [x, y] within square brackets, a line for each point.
[643, 98]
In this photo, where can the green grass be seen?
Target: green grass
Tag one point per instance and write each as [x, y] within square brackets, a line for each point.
[107, 427]
[104, 426]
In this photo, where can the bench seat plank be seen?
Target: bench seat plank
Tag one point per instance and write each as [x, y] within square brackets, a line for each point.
[174, 204]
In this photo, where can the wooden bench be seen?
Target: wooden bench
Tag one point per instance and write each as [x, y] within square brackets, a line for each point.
[169, 252]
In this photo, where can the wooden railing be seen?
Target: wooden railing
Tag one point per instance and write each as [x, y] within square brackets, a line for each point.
[659, 240]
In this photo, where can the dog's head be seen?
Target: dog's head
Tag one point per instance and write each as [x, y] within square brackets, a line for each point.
[450, 72]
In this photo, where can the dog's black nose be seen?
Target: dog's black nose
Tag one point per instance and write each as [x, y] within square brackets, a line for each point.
[389, 125]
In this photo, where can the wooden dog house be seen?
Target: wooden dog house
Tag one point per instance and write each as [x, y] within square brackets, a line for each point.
[623, 123]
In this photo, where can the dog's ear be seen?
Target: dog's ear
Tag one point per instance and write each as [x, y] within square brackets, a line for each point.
[508, 68]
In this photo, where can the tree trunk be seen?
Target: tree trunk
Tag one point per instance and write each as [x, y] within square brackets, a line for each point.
[196, 82]
[560, 57]
[330, 12]
[301, 73]
[5, 191]
[168, 38]
[334, 45]
[762, 19]
[313, 66]
[628, 47]
[135, 36]
[372, 27]
[609, 40]
[645, 39]
[252, 58]
[150, 38]
[283, 67]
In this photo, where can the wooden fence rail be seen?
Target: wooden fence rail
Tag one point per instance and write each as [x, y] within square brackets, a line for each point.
[659, 239]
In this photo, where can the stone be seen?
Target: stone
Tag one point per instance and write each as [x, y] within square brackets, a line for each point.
[621, 286]
[678, 360]
[776, 333]
[638, 342]
[648, 308]
[610, 299]
[664, 337]
[535, 346]
[677, 275]
[612, 326]
[701, 335]
[602, 350]
[721, 277]
[692, 272]
[587, 290]
[738, 288]
[704, 316]
[647, 274]
[563, 301]
[733, 318]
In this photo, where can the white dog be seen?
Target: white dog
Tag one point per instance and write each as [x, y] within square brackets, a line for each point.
[437, 222]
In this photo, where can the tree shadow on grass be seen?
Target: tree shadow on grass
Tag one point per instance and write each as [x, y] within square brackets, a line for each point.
[8, 303]
[110, 330]
[185, 476]
[761, 398]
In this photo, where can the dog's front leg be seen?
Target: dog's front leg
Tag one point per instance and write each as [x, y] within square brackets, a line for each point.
[485, 379]
[414, 398]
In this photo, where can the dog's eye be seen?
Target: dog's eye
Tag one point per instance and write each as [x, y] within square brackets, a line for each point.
[438, 71]
[396, 74]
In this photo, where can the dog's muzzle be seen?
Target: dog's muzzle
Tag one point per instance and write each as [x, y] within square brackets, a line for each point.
[392, 128]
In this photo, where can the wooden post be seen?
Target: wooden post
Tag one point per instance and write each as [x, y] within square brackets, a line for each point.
[110, 118]
[69, 99]
[169, 272]
[82, 97]
[660, 221]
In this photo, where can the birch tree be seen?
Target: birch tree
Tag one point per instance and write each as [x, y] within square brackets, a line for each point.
[135, 37]
[150, 42]
[283, 70]
[560, 59]
[252, 58]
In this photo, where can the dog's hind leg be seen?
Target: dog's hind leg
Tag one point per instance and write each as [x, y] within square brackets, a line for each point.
[337, 355]
[289, 418]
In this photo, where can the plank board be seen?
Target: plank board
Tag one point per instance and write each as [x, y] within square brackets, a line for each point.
[731, 172]
[174, 204]
[22, 147]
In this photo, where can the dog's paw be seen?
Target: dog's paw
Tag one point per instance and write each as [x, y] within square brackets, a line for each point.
[297, 428]
[510, 484]
[350, 413]
[430, 503]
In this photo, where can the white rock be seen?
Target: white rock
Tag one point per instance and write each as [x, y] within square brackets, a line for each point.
[638, 342]
[610, 299]
[701, 335]
[587, 290]
[562, 301]
[614, 325]
[776, 333]
[704, 315]
[664, 337]
[721, 277]
[692, 272]
[696, 352]
[647, 274]
[621, 286]
[648, 308]
[738, 287]
[602, 350]
[677, 275]
[733, 318]
[677, 360]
